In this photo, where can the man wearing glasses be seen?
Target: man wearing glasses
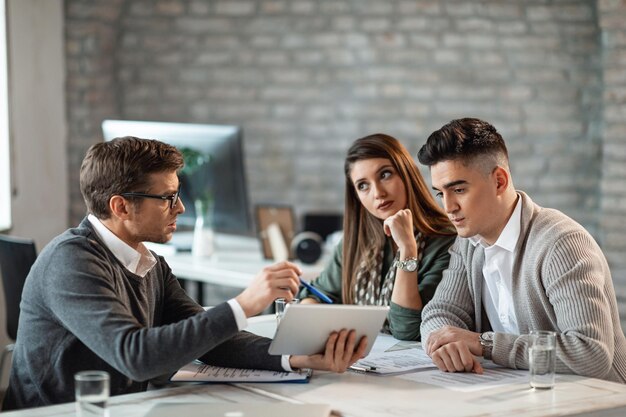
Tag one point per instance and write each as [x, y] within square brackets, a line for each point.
[96, 298]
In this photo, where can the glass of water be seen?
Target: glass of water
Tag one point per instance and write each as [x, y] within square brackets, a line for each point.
[92, 392]
[281, 305]
[542, 359]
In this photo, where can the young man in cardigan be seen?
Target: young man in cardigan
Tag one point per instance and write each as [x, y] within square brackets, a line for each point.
[515, 267]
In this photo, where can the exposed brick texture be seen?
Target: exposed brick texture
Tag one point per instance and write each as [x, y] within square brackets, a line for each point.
[612, 21]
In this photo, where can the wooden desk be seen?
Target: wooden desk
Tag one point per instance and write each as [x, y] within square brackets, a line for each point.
[237, 259]
[374, 396]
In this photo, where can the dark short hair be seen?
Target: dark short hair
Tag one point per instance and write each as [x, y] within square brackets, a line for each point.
[120, 166]
[466, 140]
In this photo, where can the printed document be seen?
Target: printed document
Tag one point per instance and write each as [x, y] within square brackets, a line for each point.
[200, 372]
[493, 376]
[395, 362]
[390, 356]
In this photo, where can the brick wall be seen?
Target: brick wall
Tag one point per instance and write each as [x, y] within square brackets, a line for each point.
[91, 32]
[612, 18]
[306, 77]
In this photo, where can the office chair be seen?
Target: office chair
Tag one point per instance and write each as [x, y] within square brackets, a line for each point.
[16, 257]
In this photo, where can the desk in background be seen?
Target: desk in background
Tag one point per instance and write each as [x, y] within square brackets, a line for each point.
[237, 259]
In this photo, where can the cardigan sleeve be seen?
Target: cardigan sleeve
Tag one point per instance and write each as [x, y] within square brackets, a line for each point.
[404, 323]
[574, 277]
[452, 304]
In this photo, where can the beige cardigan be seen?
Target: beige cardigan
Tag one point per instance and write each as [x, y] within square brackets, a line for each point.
[561, 282]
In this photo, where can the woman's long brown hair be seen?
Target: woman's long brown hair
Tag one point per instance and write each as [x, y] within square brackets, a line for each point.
[363, 233]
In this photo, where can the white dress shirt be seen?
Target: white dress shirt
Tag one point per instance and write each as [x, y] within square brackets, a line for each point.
[141, 261]
[497, 292]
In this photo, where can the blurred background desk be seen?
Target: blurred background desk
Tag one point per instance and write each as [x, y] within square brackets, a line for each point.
[237, 259]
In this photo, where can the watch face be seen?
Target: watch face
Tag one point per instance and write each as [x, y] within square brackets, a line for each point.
[411, 265]
[487, 336]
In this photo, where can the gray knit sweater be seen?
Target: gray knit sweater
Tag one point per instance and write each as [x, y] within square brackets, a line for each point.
[561, 282]
[81, 309]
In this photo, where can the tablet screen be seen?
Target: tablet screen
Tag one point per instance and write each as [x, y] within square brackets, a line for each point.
[305, 328]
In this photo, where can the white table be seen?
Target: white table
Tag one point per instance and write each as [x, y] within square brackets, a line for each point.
[237, 259]
[375, 396]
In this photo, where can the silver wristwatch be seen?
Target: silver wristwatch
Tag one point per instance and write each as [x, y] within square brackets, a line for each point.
[409, 264]
[486, 341]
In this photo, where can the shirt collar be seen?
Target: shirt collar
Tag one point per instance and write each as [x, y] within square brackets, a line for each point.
[510, 234]
[138, 262]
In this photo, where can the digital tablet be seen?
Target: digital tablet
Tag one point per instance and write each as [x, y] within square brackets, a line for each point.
[304, 328]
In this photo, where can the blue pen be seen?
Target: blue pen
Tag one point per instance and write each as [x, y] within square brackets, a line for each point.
[317, 292]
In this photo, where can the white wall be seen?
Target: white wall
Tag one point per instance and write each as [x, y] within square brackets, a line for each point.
[38, 122]
[37, 108]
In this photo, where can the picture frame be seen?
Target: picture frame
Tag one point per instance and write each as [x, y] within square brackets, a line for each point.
[266, 214]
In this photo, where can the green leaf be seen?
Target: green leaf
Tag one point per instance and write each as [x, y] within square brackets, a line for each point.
[194, 160]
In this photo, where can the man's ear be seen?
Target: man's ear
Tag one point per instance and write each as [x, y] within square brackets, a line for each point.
[502, 179]
[120, 207]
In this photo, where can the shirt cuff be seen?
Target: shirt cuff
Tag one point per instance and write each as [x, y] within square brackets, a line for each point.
[240, 316]
[284, 361]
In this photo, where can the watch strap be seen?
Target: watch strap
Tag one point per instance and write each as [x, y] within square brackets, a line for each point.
[402, 264]
[486, 341]
[487, 351]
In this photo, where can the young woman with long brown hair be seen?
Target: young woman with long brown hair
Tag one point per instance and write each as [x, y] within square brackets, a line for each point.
[396, 238]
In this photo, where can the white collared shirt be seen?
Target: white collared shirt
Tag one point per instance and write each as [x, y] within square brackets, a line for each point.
[139, 262]
[497, 291]
[142, 261]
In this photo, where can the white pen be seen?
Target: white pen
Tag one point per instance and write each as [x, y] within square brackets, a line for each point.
[362, 368]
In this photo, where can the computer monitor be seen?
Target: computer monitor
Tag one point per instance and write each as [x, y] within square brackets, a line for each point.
[224, 174]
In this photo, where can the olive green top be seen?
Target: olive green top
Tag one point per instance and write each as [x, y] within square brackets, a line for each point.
[404, 322]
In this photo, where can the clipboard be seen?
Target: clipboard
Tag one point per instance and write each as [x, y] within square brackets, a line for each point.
[197, 371]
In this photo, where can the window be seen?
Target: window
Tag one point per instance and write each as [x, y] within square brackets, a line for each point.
[5, 160]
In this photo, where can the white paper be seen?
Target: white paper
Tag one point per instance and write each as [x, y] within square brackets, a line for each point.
[394, 361]
[382, 343]
[199, 372]
[467, 381]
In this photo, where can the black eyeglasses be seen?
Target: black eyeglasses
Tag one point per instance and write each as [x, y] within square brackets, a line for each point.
[173, 198]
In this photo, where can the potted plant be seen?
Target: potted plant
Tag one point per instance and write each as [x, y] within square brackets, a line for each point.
[195, 176]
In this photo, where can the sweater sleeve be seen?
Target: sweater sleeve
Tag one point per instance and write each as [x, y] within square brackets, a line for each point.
[452, 303]
[84, 297]
[253, 348]
[329, 280]
[404, 322]
[573, 270]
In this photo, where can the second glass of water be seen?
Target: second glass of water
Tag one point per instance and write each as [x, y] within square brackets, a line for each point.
[281, 305]
[92, 393]
[542, 358]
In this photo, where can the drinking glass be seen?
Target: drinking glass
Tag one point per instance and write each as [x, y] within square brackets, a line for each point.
[542, 359]
[92, 392]
[281, 305]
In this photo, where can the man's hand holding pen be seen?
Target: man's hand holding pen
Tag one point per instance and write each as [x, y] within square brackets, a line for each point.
[282, 280]
[275, 281]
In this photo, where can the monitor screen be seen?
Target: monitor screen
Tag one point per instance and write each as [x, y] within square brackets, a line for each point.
[223, 175]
